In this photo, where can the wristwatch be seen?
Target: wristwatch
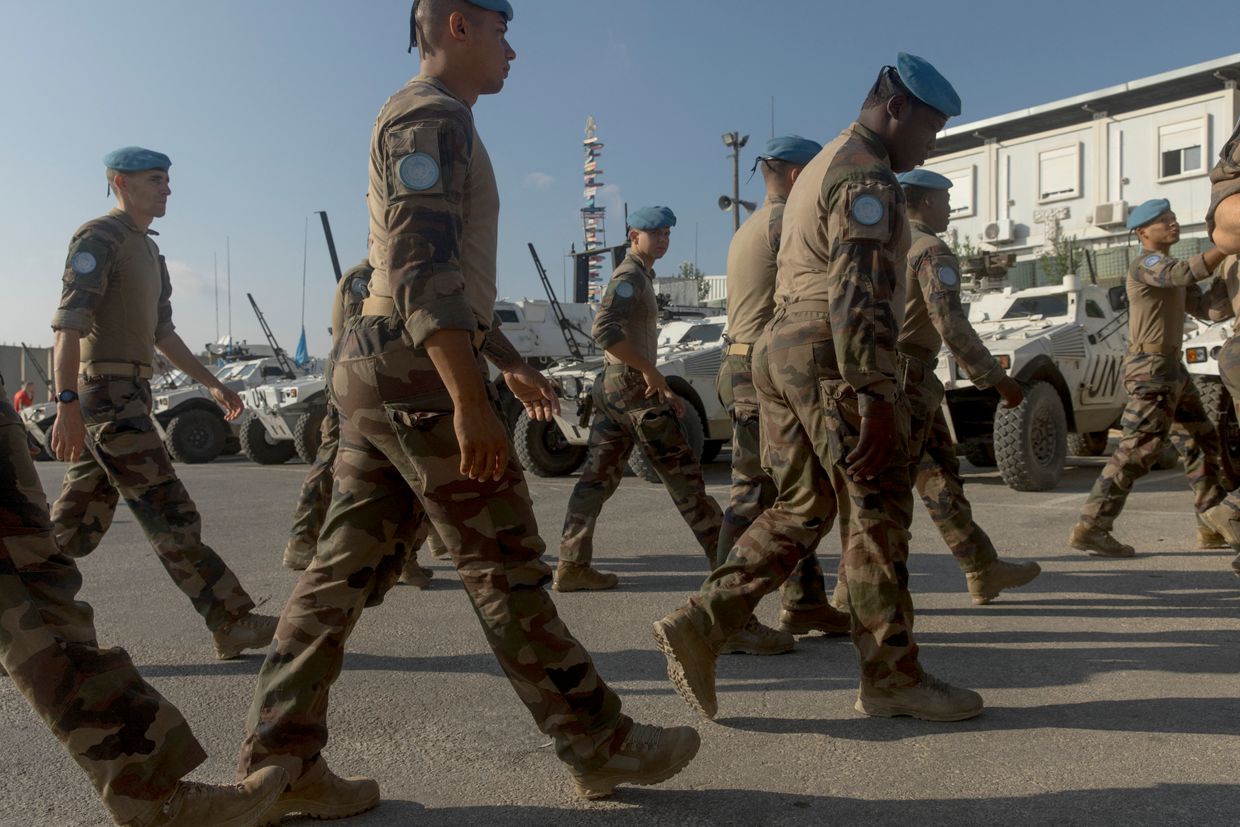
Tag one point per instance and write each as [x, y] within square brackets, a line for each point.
[65, 397]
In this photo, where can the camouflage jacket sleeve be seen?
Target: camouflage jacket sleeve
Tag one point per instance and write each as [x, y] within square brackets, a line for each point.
[498, 349]
[423, 163]
[865, 221]
[163, 313]
[620, 300]
[1212, 305]
[1225, 177]
[1164, 271]
[92, 253]
[938, 276]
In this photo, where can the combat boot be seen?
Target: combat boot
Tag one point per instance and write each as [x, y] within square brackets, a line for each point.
[203, 805]
[826, 619]
[297, 555]
[648, 755]
[416, 575]
[985, 585]
[690, 659]
[757, 639]
[323, 795]
[250, 631]
[1208, 538]
[575, 577]
[929, 700]
[1223, 521]
[1098, 542]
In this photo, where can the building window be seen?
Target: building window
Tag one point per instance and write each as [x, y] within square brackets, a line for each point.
[963, 191]
[1181, 148]
[1059, 173]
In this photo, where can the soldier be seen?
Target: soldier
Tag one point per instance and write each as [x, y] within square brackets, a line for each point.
[1162, 399]
[751, 303]
[834, 424]
[633, 406]
[1223, 217]
[933, 315]
[115, 309]
[1226, 515]
[419, 430]
[129, 740]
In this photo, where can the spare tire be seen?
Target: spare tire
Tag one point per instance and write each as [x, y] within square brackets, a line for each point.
[195, 436]
[543, 450]
[307, 433]
[639, 462]
[1031, 440]
[259, 446]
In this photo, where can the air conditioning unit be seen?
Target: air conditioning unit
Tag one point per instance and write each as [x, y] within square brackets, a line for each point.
[1002, 231]
[1112, 214]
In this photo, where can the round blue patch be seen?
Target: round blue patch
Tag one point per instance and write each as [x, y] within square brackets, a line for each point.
[868, 210]
[1152, 260]
[624, 290]
[418, 171]
[948, 276]
[83, 263]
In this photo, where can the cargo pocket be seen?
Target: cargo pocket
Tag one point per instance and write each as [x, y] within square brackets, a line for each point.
[658, 428]
[424, 436]
[1150, 411]
[842, 416]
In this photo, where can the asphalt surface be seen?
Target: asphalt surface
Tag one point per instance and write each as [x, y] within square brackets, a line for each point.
[1111, 686]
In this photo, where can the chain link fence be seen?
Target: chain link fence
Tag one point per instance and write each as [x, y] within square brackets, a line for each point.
[1110, 264]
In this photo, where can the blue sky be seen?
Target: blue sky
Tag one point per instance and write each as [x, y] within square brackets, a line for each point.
[266, 107]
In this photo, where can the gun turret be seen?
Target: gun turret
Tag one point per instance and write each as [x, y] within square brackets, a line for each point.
[987, 272]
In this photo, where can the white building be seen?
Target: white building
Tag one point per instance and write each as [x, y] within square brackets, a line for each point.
[1074, 167]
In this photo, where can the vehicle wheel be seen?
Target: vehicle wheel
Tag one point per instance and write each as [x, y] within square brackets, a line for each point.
[195, 436]
[543, 450]
[711, 449]
[37, 451]
[641, 465]
[1031, 440]
[306, 434]
[980, 453]
[1087, 445]
[1222, 412]
[259, 446]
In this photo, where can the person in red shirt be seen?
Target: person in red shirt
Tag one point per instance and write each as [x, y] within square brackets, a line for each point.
[24, 398]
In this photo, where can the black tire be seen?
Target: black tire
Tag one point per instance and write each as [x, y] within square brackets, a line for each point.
[980, 453]
[1092, 444]
[195, 436]
[37, 450]
[1222, 412]
[1031, 440]
[542, 449]
[711, 449]
[640, 464]
[259, 447]
[306, 434]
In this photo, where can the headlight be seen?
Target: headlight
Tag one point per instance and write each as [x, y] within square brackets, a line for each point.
[291, 393]
[1194, 355]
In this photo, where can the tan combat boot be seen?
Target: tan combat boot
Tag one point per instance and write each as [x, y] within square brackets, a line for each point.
[929, 700]
[985, 585]
[416, 575]
[648, 755]
[757, 639]
[203, 805]
[323, 795]
[690, 660]
[575, 577]
[826, 619]
[297, 555]
[1208, 538]
[250, 631]
[1222, 521]
[1098, 542]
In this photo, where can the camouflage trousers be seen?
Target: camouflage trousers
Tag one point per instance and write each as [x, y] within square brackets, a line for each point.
[131, 742]
[753, 490]
[810, 422]
[398, 458]
[126, 457]
[1229, 373]
[1162, 402]
[316, 493]
[623, 418]
[936, 474]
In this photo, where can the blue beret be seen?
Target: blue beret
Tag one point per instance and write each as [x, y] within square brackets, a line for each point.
[926, 84]
[924, 178]
[791, 148]
[1145, 213]
[136, 159]
[652, 218]
[501, 6]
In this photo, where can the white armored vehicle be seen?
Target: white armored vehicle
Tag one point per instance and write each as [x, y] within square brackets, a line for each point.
[1201, 352]
[689, 355]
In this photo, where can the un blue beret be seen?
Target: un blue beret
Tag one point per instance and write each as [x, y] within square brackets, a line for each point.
[791, 148]
[927, 179]
[652, 218]
[926, 84]
[501, 6]
[136, 159]
[1145, 213]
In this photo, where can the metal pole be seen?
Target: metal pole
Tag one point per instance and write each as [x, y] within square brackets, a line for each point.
[736, 183]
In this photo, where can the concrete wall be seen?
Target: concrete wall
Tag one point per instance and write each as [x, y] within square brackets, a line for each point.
[16, 369]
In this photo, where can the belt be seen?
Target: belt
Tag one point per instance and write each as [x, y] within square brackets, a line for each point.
[739, 349]
[921, 354]
[134, 369]
[807, 306]
[384, 306]
[1153, 350]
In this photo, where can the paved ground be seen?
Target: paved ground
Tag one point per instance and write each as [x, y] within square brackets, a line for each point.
[1111, 687]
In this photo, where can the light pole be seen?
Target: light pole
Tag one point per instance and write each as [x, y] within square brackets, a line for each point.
[735, 141]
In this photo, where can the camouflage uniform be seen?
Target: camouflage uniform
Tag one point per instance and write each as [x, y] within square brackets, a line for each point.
[1162, 398]
[117, 294]
[751, 304]
[933, 314]
[827, 359]
[625, 417]
[1225, 177]
[434, 212]
[131, 742]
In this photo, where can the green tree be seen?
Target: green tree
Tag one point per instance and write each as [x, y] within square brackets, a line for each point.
[1062, 261]
[689, 270]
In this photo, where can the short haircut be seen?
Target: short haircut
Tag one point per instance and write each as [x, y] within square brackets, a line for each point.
[885, 87]
[914, 194]
[431, 16]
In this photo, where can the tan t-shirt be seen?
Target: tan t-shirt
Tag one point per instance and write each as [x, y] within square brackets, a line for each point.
[1159, 290]
[629, 311]
[751, 271]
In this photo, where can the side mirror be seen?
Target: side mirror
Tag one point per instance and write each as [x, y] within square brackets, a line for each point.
[1117, 296]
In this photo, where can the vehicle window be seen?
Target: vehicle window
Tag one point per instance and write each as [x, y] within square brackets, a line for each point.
[508, 316]
[1055, 305]
[702, 333]
[1093, 310]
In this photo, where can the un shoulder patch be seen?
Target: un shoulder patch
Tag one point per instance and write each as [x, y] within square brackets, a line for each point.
[868, 210]
[624, 290]
[83, 263]
[948, 277]
[1152, 260]
[418, 171]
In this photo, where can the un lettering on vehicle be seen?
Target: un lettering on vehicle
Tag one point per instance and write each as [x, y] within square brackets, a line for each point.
[1102, 378]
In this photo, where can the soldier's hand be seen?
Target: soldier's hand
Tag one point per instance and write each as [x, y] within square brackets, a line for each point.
[228, 399]
[1011, 391]
[535, 392]
[656, 384]
[483, 441]
[875, 446]
[68, 433]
